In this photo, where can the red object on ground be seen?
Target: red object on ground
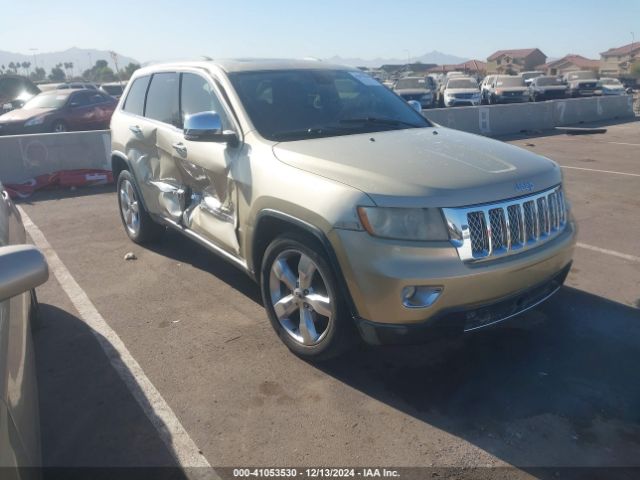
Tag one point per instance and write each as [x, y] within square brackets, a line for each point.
[64, 178]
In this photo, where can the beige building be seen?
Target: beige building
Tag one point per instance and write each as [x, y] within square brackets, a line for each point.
[515, 61]
[569, 63]
[616, 62]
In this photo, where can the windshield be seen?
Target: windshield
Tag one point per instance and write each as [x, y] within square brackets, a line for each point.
[510, 82]
[411, 83]
[582, 76]
[113, 89]
[547, 81]
[528, 75]
[47, 100]
[610, 81]
[299, 104]
[462, 83]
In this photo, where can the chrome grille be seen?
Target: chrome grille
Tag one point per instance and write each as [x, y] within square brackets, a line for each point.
[502, 228]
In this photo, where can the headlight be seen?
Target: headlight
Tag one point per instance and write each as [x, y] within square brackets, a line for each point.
[404, 223]
[34, 121]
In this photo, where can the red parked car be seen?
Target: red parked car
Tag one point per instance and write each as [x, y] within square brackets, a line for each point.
[60, 111]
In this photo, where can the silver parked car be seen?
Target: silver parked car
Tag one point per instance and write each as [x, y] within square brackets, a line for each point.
[351, 210]
[22, 268]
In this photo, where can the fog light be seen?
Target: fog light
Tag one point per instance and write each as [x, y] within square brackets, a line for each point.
[420, 297]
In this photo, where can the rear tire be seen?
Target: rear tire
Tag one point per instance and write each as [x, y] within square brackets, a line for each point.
[137, 223]
[298, 283]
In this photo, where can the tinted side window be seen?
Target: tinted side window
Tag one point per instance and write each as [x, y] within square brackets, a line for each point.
[134, 102]
[198, 96]
[162, 99]
[80, 99]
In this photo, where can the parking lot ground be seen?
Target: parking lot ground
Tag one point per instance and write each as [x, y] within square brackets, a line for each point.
[556, 387]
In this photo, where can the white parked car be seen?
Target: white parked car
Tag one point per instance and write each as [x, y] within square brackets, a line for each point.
[461, 91]
[611, 86]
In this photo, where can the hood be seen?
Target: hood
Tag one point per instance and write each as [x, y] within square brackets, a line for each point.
[22, 114]
[552, 87]
[462, 90]
[512, 89]
[413, 91]
[415, 167]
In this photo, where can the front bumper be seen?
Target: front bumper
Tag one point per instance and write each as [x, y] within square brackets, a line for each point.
[18, 128]
[468, 102]
[457, 321]
[376, 271]
[512, 99]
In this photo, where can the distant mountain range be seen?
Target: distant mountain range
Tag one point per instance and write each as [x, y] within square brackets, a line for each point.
[436, 57]
[82, 59]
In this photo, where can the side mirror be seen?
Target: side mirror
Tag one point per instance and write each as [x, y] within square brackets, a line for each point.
[207, 127]
[74, 104]
[415, 105]
[22, 267]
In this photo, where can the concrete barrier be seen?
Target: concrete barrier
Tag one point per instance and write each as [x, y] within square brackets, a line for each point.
[497, 120]
[28, 156]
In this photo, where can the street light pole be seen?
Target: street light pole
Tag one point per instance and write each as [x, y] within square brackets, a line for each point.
[35, 59]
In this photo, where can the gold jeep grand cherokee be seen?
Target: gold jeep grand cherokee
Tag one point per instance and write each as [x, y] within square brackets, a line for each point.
[352, 211]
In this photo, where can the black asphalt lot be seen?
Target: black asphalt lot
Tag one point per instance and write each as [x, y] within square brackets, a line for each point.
[559, 386]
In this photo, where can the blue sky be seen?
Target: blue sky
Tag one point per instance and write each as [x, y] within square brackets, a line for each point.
[161, 29]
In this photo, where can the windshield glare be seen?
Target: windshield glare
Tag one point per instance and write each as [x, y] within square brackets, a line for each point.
[462, 83]
[411, 83]
[299, 104]
[47, 100]
[510, 82]
[582, 76]
[546, 81]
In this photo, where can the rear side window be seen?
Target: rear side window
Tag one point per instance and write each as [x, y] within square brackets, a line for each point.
[135, 98]
[162, 99]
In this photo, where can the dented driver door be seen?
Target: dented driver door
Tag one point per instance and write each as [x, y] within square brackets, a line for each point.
[210, 207]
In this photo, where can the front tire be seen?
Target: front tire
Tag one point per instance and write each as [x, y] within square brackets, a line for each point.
[302, 298]
[137, 223]
[59, 126]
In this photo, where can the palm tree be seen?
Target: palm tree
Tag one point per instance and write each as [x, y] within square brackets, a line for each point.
[25, 67]
[12, 66]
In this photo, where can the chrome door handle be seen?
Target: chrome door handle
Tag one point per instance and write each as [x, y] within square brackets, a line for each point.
[135, 129]
[180, 148]
[5, 195]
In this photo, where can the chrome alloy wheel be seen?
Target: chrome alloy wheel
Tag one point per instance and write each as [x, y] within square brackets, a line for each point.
[300, 297]
[129, 207]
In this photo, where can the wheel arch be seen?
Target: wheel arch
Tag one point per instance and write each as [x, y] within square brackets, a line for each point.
[120, 162]
[273, 223]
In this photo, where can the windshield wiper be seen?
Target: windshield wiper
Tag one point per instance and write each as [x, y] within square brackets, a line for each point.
[311, 132]
[380, 121]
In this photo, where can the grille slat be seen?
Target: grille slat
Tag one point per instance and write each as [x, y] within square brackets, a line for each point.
[543, 216]
[515, 225]
[497, 229]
